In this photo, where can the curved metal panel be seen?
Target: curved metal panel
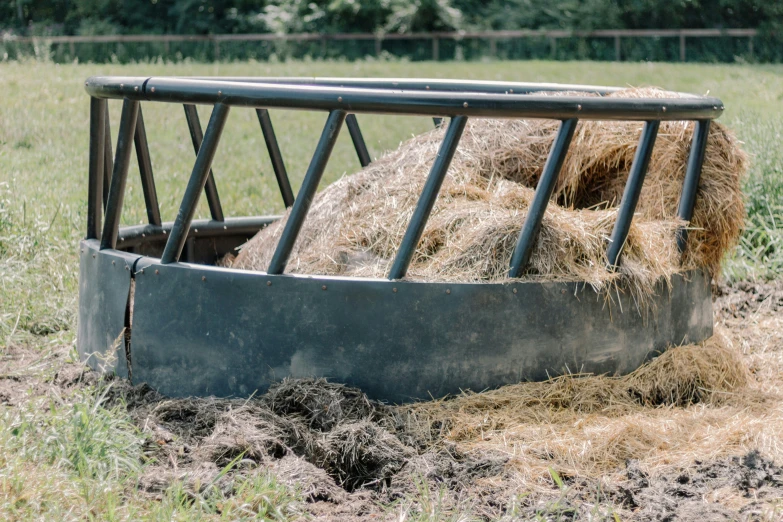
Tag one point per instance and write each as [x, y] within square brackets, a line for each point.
[104, 286]
[201, 330]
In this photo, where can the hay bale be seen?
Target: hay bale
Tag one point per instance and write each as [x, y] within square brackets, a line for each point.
[355, 225]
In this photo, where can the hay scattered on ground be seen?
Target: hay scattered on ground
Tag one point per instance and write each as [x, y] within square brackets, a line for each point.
[696, 402]
[355, 225]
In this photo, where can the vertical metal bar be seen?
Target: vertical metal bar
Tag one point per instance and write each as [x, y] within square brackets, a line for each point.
[633, 187]
[130, 114]
[690, 185]
[145, 169]
[278, 166]
[307, 192]
[427, 199]
[95, 187]
[546, 185]
[196, 136]
[108, 163]
[198, 178]
[682, 47]
[358, 140]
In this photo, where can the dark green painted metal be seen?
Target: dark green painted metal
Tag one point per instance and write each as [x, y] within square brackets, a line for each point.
[95, 184]
[423, 84]
[145, 169]
[633, 188]
[307, 192]
[690, 186]
[119, 177]
[198, 178]
[546, 185]
[427, 199]
[275, 156]
[232, 332]
[358, 140]
[210, 188]
[425, 103]
[104, 286]
[108, 163]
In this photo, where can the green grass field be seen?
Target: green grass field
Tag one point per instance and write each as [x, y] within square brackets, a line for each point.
[62, 447]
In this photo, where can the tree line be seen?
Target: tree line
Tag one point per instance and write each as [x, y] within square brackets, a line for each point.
[101, 17]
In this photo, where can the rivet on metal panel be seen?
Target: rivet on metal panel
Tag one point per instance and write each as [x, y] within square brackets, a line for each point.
[220, 93]
[157, 272]
[514, 290]
[203, 278]
[448, 290]
[269, 283]
[323, 287]
[122, 239]
[511, 91]
[579, 107]
[195, 231]
[562, 291]
[127, 267]
[136, 89]
[225, 227]
[122, 85]
[165, 232]
[394, 290]
[144, 235]
[142, 271]
[153, 89]
[465, 105]
[663, 108]
[114, 263]
[427, 87]
[339, 98]
[93, 256]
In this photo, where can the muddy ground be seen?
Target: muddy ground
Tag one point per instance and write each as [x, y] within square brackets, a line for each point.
[351, 457]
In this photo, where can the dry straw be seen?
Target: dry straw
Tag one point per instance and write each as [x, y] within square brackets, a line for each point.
[355, 225]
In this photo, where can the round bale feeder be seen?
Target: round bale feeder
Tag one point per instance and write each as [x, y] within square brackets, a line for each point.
[155, 306]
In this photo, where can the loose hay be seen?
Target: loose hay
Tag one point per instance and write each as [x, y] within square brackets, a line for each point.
[355, 225]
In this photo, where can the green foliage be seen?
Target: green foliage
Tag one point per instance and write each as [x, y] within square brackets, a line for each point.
[346, 16]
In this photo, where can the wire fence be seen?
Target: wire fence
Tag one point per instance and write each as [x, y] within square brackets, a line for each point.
[685, 45]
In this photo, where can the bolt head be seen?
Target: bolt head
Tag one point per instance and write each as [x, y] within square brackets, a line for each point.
[152, 90]
[203, 278]
[323, 287]
[340, 99]
[269, 283]
[394, 290]
[465, 105]
[448, 290]
[157, 272]
[514, 290]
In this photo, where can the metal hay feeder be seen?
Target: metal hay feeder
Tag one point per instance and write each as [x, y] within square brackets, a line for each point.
[198, 329]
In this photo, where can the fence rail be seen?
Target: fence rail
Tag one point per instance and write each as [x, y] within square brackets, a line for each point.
[379, 38]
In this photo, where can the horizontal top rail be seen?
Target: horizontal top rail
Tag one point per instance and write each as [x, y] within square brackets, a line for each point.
[387, 98]
[454, 35]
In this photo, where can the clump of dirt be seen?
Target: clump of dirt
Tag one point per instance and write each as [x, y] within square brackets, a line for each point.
[323, 405]
[743, 298]
[681, 494]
